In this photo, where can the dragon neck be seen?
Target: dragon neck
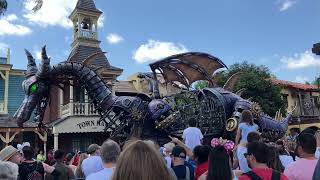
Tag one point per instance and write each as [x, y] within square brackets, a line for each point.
[96, 88]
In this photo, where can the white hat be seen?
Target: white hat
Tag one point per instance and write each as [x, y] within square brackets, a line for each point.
[7, 152]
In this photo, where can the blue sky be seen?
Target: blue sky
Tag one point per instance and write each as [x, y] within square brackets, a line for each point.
[275, 33]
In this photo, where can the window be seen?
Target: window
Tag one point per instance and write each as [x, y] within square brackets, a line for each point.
[81, 143]
[285, 100]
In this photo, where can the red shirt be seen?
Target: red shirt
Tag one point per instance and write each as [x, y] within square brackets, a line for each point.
[263, 173]
[200, 169]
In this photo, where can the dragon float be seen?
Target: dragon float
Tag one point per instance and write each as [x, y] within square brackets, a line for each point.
[217, 109]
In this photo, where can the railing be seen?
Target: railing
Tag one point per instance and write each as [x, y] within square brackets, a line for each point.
[82, 109]
[88, 34]
[2, 111]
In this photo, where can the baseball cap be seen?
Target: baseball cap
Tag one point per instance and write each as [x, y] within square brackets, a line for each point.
[92, 148]
[7, 152]
[179, 151]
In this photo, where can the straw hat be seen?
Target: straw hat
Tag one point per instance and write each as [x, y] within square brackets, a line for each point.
[7, 152]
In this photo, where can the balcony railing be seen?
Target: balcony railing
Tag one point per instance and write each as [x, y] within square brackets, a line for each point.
[86, 33]
[75, 108]
[2, 111]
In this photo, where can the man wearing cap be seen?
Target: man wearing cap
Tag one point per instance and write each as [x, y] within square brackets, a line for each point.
[182, 170]
[93, 163]
[11, 154]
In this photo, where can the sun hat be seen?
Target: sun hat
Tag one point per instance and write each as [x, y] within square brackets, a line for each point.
[7, 152]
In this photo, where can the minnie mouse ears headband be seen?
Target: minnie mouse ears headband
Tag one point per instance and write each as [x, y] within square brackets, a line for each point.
[227, 144]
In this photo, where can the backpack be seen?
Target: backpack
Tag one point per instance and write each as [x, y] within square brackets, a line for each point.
[187, 174]
[35, 174]
[275, 175]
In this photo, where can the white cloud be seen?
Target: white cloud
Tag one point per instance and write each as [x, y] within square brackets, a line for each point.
[155, 50]
[113, 38]
[10, 17]
[8, 27]
[286, 4]
[52, 12]
[38, 54]
[301, 79]
[302, 60]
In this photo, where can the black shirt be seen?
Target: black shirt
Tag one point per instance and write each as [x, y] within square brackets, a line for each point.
[26, 168]
[180, 171]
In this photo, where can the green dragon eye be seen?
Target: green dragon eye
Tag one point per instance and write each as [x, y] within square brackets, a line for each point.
[34, 88]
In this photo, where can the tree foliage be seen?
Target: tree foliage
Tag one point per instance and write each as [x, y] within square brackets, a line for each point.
[258, 86]
[201, 84]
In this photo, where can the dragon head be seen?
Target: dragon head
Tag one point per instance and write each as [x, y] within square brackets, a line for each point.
[36, 88]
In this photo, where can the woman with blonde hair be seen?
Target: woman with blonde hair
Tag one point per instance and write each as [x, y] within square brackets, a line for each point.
[141, 161]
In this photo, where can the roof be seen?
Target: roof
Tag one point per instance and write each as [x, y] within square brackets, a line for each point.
[87, 5]
[124, 86]
[80, 53]
[7, 122]
[295, 84]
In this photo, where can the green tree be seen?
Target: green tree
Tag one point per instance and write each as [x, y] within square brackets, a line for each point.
[316, 81]
[258, 86]
[201, 84]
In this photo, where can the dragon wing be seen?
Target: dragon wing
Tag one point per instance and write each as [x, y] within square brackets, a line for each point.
[187, 68]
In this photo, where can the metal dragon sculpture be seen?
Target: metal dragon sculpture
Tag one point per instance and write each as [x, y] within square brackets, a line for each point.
[217, 110]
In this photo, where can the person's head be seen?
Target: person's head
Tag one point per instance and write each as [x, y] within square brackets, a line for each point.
[168, 148]
[69, 158]
[178, 155]
[246, 117]
[253, 137]
[281, 148]
[94, 150]
[293, 131]
[9, 170]
[201, 153]
[28, 152]
[274, 159]
[192, 122]
[219, 164]
[41, 152]
[257, 153]
[110, 151]
[291, 146]
[140, 161]
[59, 155]
[11, 154]
[306, 145]
[309, 130]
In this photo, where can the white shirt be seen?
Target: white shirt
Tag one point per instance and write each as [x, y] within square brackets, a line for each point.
[192, 137]
[91, 165]
[286, 160]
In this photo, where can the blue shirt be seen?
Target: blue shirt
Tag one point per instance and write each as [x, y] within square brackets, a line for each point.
[245, 129]
[104, 174]
[91, 165]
